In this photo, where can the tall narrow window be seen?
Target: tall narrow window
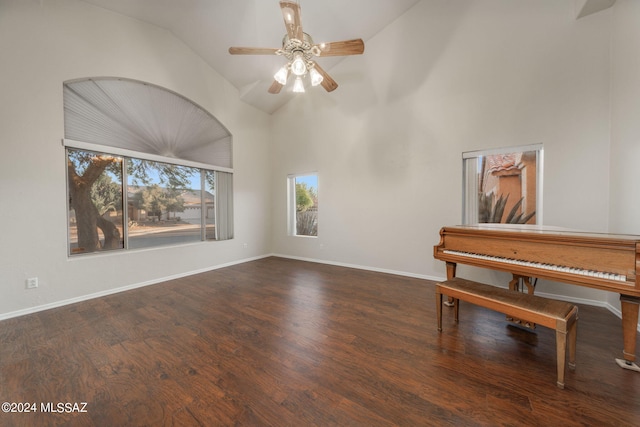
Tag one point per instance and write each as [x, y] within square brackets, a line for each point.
[303, 205]
[503, 185]
[209, 211]
[223, 205]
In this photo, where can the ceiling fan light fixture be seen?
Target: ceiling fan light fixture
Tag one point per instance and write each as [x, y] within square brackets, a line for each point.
[281, 76]
[316, 77]
[298, 67]
[299, 49]
[298, 85]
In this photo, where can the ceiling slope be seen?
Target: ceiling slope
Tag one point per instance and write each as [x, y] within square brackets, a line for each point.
[210, 27]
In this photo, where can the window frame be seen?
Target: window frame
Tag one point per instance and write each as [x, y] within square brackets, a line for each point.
[123, 152]
[470, 186]
[126, 155]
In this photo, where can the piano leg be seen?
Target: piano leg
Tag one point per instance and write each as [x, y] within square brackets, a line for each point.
[451, 273]
[514, 285]
[630, 306]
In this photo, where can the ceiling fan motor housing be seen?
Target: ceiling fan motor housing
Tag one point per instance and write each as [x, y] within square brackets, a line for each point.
[290, 47]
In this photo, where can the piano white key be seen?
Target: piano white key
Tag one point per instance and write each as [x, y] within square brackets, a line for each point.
[544, 266]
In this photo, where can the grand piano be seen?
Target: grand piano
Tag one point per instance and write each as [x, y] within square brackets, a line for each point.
[597, 260]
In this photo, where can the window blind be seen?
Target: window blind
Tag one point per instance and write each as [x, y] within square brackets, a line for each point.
[145, 118]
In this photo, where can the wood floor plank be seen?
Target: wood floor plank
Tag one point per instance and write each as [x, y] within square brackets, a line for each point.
[283, 342]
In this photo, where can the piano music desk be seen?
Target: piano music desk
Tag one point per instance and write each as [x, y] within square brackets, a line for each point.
[557, 315]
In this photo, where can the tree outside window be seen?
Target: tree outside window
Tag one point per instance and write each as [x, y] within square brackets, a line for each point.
[95, 201]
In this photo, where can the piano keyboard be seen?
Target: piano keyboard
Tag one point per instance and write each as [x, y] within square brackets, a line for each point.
[551, 267]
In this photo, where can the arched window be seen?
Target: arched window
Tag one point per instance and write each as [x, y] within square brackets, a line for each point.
[146, 167]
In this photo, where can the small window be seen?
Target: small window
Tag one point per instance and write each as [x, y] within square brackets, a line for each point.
[303, 205]
[503, 185]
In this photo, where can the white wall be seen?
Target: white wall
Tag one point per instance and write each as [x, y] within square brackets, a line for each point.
[44, 43]
[445, 78]
[625, 120]
[625, 123]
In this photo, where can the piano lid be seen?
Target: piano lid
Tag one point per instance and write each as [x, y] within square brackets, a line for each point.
[543, 229]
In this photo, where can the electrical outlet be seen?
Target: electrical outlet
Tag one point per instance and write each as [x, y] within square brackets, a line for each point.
[32, 282]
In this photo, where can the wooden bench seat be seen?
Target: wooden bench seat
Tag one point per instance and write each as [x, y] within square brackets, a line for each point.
[558, 315]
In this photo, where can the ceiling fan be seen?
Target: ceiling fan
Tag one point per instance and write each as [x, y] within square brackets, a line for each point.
[299, 49]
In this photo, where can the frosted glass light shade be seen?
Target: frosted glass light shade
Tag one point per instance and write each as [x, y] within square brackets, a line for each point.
[281, 76]
[316, 77]
[298, 86]
[298, 67]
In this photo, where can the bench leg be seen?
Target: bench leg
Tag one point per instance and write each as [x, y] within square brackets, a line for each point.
[439, 309]
[456, 309]
[561, 347]
[573, 332]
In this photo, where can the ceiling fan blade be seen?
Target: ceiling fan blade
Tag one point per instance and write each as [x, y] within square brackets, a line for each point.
[252, 51]
[275, 87]
[327, 82]
[291, 15]
[346, 47]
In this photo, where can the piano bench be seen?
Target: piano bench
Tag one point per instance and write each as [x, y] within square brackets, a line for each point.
[558, 315]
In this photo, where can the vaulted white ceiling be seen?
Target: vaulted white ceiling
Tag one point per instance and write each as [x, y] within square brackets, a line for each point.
[210, 27]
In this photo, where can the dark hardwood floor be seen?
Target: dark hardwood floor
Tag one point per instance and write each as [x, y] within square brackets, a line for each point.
[288, 343]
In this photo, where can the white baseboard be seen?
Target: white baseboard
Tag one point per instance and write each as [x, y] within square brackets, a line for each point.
[362, 267]
[574, 300]
[87, 297]
[61, 303]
